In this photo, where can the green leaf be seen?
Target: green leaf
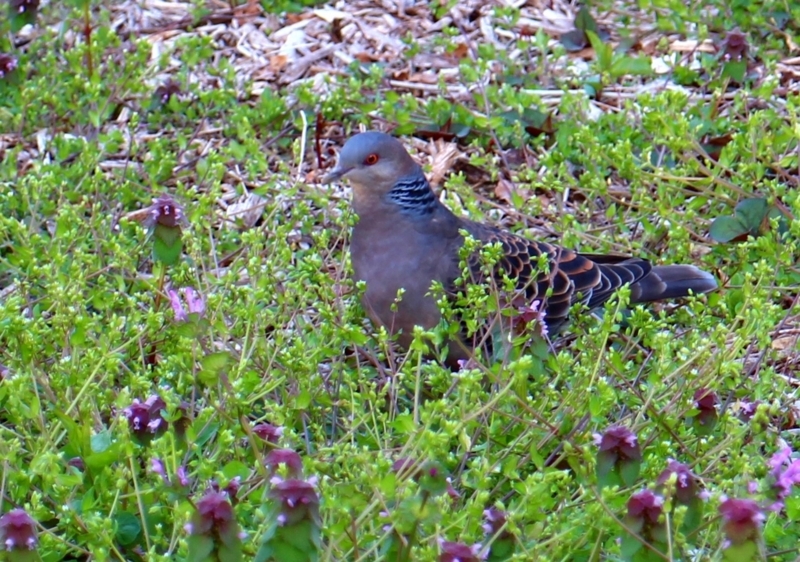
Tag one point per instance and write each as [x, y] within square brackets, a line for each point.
[604, 469]
[79, 436]
[101, 441]
[783, 222]
[303, 400]
[388, 484]
[167, 244]
[629, 545]
[752, 212]
[207, 431]
[694, 516]
[793, 507]
[236, 468]
[603, 52]
[635, 66]
[404, 423]
[584, 20]
[200, 548]
[535, 122]
[215, 362]
[725, 229]
[212, 366]
[230, 553]
[128, 528]
[735, 71]
[745, 552]
[629, 471]
[78, 336]
[99, 461]
[501, 550]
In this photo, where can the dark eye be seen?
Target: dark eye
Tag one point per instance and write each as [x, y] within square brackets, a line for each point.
[371, 159]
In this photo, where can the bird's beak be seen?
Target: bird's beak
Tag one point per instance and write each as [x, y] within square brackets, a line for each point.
[337, 173]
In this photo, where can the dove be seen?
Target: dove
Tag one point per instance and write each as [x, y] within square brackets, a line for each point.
[405, 239]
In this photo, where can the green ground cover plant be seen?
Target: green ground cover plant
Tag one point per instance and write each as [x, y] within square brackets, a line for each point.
[186, 372]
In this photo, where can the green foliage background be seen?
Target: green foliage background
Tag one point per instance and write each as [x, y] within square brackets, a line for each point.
[85, 327]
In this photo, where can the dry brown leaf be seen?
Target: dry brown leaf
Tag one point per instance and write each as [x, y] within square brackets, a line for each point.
[444, 155]
[461, 51]
[691, 45]
[330, 15]
[423, 78]
[786, 343]
[277, 62]
[247, 11]
[293, 18]
[401, 74]
[366, 57]
[245, 212]
[504, 190]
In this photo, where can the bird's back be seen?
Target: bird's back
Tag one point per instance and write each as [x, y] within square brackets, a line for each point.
[565, 277]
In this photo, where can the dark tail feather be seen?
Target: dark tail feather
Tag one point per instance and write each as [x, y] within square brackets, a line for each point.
[672, 281]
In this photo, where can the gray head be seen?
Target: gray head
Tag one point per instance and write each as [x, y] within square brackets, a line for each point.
[373, 161]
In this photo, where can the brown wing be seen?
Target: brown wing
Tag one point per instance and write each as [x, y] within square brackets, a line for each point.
[573, 277]
[616, 271]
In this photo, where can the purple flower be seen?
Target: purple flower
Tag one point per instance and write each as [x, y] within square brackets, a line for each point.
[144, 418]
[532, 313]
[785, 473]
[297, 500]
[742, 519]
[268, 432]
[164, 211]
[168, 89]
[494, 522]
[214, 517]
[467, 364]
[157, 466]
[164, 220]
[645, 506]
[705, 400]
[618, 457]
[7, 64]
[686, 488]
[287, 458]
[734, 46]
[747, 409]
[231, 489]
[777, 461]
[459, 552]
[23, 6]
[434, 480]
[233, 486]
[644, 516]
[186, 301]
[452, 493]
[790, 476]
[182, 476]
[18, 531]
[620, 442]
